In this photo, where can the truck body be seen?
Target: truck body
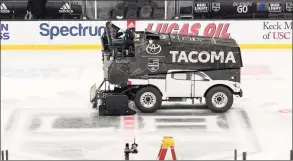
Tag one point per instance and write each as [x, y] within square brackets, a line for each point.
[170, 67]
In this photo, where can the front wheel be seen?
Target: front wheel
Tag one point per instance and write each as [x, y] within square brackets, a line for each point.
[219, 99]
[148, 99]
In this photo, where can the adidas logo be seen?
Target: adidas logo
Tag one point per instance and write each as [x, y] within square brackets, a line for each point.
[4, 9]
[66, 9]
[131, 25]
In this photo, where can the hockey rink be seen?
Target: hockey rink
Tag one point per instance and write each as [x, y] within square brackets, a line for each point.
[45, 112]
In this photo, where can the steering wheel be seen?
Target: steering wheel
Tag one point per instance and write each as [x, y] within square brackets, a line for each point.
[126, 36]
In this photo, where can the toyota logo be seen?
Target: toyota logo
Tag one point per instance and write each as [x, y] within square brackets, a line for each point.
[153, 49]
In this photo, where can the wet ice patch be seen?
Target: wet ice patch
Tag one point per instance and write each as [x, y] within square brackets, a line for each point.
[45, 73]
[68, 94]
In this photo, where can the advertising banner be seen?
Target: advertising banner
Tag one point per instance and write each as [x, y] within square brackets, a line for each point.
[249, 34]
[71, 35]
[53, 34]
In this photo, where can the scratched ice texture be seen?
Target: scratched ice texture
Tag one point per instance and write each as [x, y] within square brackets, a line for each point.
[45, 112]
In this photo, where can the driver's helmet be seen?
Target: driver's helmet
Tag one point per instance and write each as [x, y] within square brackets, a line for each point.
[109, 24]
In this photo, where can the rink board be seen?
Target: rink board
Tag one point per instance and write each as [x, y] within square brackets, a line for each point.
[85, 35]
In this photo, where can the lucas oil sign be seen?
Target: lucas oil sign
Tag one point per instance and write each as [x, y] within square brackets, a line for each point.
[218, 30]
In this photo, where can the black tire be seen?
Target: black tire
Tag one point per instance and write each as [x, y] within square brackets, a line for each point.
[223, 93]
[144, 92]
[145, 12]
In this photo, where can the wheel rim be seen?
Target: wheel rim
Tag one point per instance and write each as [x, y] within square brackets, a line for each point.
[219, 100]
[148, 100]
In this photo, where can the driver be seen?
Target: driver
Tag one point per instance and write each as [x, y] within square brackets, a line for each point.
[124, 37]
[114, 31]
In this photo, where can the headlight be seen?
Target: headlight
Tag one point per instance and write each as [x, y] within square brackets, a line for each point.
[237, 85]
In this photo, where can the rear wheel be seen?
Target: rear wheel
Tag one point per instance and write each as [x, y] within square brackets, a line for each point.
[219, 99]
[148, 99]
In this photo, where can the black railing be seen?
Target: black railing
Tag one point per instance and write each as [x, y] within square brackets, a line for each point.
[151, 9]
[133, 150]
[244, 155]
[4, 155]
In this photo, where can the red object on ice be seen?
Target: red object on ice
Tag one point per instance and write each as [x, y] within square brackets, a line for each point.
[168, 142]
[129, 122]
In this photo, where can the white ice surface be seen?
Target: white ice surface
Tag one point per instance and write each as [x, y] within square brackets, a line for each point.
[61, 80]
